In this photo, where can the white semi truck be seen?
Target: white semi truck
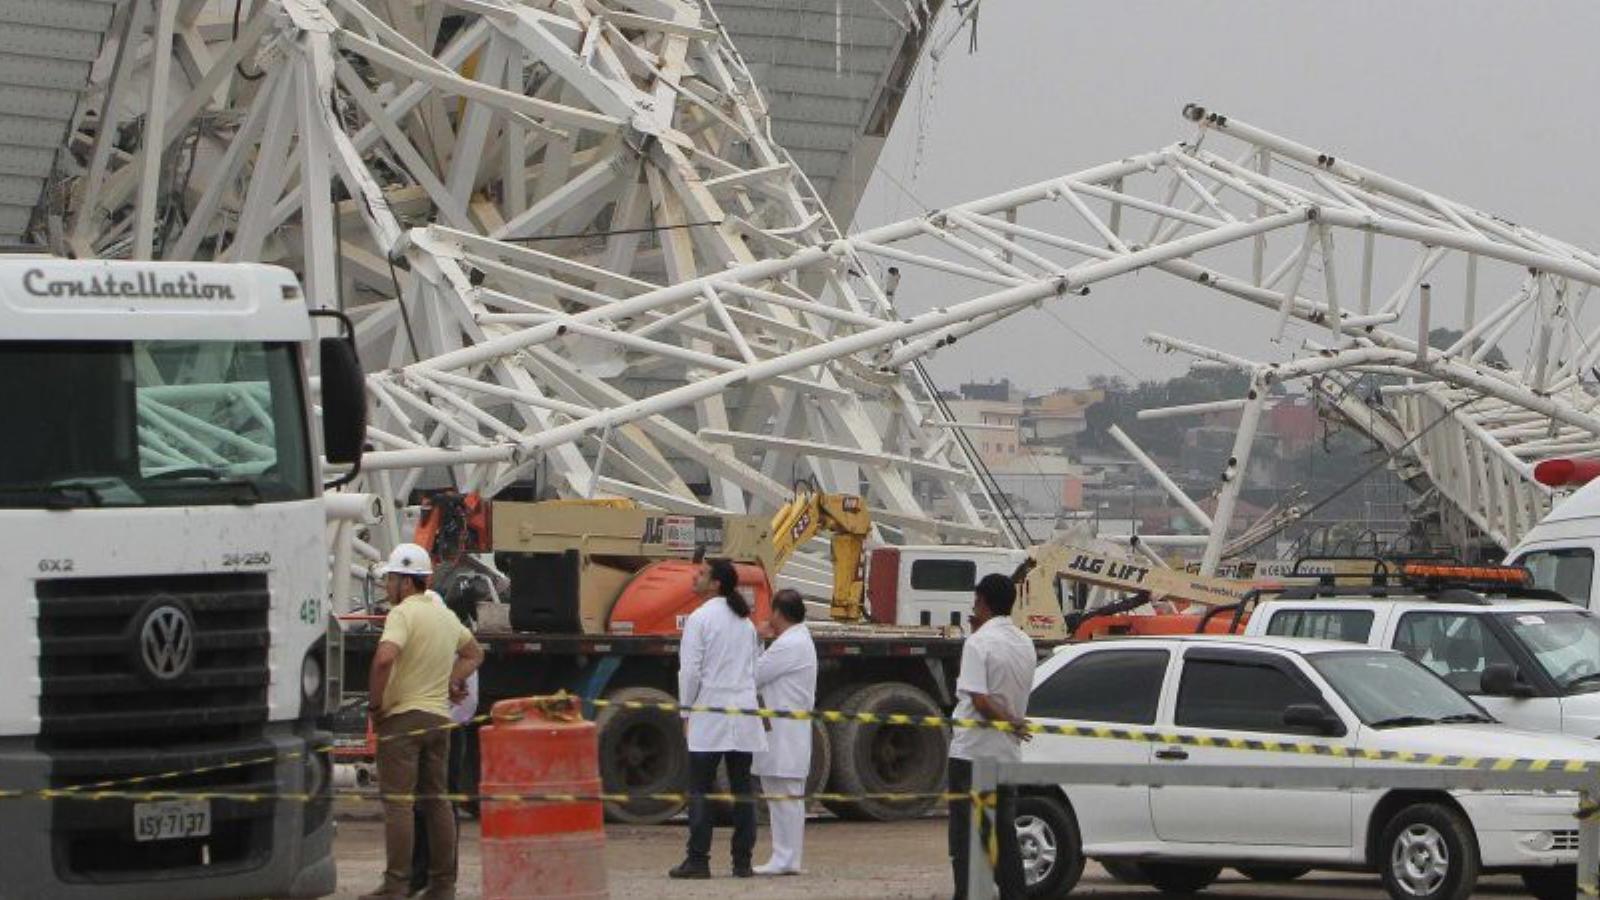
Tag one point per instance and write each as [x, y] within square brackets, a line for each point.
[162, 513]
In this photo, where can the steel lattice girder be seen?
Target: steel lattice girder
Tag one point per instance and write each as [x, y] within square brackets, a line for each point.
[685, 300]
[577, 155]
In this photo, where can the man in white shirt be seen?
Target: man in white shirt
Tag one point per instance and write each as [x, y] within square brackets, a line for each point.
[996, 675]
[786, 679]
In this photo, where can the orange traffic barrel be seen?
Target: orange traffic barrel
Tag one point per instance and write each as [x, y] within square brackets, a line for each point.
[532, 848]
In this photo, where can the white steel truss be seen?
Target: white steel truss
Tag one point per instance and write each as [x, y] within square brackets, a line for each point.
[497, 192]
[569, 244]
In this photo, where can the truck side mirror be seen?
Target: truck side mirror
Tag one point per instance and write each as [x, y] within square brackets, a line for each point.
[344, 402]
[1313, 718]
[344, 399]
[1504, 680]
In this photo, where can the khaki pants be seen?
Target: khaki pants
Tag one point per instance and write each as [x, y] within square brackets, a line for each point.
[401, 757]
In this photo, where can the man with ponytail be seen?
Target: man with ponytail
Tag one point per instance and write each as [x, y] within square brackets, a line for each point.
[717, 667]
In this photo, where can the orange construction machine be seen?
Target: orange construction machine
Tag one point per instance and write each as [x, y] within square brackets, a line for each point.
[610, 567]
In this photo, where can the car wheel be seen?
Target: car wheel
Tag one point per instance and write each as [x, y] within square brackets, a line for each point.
[1052, 852]
[1272, 874]
[1428, 852]
[1180, 879]
[1554, 883]
[1124, 870]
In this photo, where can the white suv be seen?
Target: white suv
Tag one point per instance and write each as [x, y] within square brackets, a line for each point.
[1427, 845]
[1534, 664]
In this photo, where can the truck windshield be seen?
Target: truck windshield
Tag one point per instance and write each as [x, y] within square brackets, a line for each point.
[152, 423]
[1388, 690]
[1565, 644]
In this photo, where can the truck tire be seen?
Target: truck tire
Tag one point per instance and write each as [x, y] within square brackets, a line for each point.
[880, 759]
[1428, 852]
[821, 759]
[826, 783]
[642, 751]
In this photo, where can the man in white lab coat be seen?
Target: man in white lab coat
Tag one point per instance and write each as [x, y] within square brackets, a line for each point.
[717, 667]
[786, 678]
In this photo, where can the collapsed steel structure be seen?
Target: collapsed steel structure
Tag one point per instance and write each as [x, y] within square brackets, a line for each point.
[569, 245]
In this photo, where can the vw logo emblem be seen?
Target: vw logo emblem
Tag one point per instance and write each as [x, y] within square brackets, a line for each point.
[166, 642]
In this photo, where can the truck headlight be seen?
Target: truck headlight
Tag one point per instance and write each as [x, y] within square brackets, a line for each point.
[311, 677]
[312, 683]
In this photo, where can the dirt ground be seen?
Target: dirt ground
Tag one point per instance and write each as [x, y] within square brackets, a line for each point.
[843, 860]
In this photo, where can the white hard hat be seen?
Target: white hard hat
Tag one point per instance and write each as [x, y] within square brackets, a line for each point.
[408, 559]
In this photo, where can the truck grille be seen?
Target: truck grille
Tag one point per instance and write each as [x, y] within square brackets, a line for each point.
[93, 840]
[98, 690]
[105, 715]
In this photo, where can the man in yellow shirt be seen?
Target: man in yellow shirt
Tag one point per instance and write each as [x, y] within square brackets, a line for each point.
[423, 659]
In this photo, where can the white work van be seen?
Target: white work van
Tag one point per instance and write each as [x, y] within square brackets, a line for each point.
[162, 510]
[1561, 549]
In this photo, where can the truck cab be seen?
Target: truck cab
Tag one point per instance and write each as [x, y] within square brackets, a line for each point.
[931, 585]
[1560, 550]
[161, 505]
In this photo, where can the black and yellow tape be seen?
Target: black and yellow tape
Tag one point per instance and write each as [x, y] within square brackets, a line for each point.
[1150, 736]
[499, 797]
[1136, 735]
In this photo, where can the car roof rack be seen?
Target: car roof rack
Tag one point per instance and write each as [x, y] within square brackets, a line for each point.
[1437, 578]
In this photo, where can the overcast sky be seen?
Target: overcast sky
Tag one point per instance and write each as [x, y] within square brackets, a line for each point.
[1493, 104]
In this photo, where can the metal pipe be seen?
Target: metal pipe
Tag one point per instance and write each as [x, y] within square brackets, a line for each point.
[1422, 323]
[1188, 409]
[1233, 475]
[1167, 484]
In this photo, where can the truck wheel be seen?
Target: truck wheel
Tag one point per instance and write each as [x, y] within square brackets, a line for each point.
[1553, 883]
[1272, 874]
[889, 759]
[642, 751]
[1052, 853]
[821, 759]
[1180, 879]
[835, 699]
[1428, 852]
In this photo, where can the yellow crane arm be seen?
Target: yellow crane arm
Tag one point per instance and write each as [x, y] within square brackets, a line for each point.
[1038, 609]
[846, 519]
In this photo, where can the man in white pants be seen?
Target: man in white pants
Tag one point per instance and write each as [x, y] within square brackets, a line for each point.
[786, 678]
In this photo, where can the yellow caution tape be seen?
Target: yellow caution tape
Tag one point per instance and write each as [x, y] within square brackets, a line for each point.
[1135, 735]
[535, 797]
[1148, 736]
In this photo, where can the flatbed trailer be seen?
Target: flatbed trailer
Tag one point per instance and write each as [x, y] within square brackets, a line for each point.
[862, 668]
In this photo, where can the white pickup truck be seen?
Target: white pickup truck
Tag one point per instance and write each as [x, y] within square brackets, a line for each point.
[1427, 845]
[1534, 664]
